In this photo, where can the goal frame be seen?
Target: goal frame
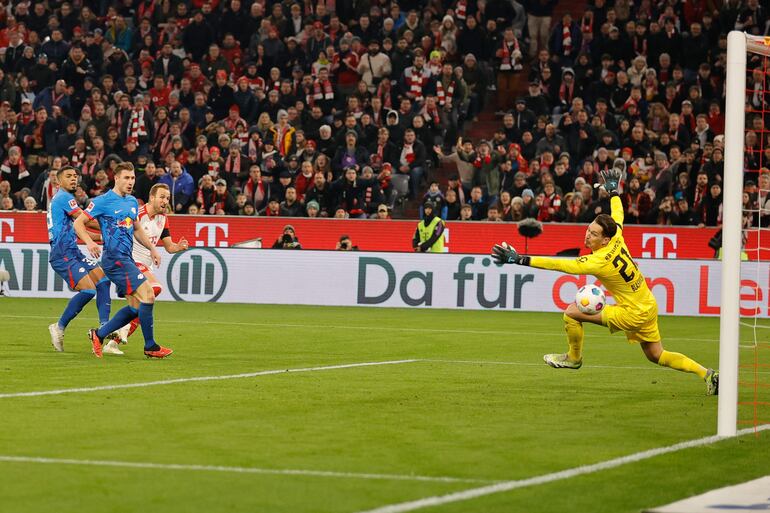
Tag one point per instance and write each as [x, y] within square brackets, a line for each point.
[729, 322]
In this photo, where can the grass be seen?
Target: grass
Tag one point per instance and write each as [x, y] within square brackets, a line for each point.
[478, 405]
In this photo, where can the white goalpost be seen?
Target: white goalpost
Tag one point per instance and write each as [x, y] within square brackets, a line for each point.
[741, 48]
[732, 196]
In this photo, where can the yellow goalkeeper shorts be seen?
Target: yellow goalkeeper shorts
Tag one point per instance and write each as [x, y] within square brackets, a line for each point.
[638, 325]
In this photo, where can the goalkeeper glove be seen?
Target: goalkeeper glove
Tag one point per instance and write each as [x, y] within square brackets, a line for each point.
[504, 254]
[612, 177]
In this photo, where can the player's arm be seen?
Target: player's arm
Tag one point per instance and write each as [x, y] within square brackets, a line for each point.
[170, 245]
[83, 234]
[141, 236]
[91, 224]
[611, 182]
[506, 254]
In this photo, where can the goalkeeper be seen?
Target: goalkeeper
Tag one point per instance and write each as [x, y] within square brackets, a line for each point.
[636, 311]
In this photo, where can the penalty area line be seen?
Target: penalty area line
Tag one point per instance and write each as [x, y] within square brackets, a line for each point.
[240, 470]
[201, 378]
[506, 486]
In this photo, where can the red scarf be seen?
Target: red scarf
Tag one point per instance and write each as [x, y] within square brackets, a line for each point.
[480, 161]
[37, 136]
[136, 127]
[88, 170]
[77, 157]
[700, 192]
[22, 167]
[51, 188]
[10, 131]
[416, 80]
[323, 90]
[566, 93]
[566, 39]
[445, 97]
[431, 115]
[385, 96]
[201, 153]
[461, 10]
[506, 63]
[233, 164]
[165, 146]
[242, 137]
[146, 10]
[253, 150]
[213, 168]
[407, 154]
[255, 192]
[161, 129]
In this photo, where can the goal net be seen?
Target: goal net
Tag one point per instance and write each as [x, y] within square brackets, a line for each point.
[744, 361]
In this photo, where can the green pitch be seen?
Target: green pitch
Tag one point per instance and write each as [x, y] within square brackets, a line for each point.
[476, 406]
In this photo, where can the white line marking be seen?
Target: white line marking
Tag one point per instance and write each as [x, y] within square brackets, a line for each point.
[506, 486]
[241, 470]
[538, 364]
[651, 367]
[554, 333]
[201, 378]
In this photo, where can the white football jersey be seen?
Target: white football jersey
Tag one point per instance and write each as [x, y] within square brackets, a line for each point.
[153, 227]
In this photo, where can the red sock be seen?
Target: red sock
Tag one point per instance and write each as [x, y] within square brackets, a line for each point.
[134, 325]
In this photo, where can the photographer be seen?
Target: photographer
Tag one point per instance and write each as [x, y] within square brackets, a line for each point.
[287, 240]
[345, 244]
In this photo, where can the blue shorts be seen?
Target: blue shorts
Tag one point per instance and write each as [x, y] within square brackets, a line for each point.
[73, 268]
[124, 274]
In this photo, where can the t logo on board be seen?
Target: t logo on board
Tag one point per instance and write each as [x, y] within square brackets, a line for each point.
[657, 242]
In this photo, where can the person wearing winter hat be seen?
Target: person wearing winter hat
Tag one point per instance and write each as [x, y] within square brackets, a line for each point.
[429, 235]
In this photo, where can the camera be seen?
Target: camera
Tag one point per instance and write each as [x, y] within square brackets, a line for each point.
[344, 245]
[287, 239]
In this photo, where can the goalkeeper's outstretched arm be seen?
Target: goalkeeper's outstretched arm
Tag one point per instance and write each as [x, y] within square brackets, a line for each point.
[506, 254]
[580, 265]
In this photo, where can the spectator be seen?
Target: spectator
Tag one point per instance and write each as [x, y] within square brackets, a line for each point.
[287, 240]
[181, 186]
[429, 235]
[345, 244]
[291, 207]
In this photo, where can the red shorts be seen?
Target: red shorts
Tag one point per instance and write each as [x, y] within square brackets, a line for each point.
[156, 288]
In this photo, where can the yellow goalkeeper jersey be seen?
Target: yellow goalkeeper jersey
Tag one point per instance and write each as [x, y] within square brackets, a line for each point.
[612, 265]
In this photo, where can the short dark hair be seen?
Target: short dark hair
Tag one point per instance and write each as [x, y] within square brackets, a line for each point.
[65, 168]
[608, 225]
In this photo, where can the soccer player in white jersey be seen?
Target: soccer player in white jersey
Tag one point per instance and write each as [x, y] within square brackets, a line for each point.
[154, 221]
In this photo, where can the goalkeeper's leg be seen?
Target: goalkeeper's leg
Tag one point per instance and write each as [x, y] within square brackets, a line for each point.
[574, 331]
[573, 326]
[656, 354]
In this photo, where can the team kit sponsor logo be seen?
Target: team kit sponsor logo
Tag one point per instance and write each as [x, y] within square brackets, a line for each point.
[236, 275]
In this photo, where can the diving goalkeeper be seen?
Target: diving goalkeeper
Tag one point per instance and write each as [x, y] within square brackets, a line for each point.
[636, 311]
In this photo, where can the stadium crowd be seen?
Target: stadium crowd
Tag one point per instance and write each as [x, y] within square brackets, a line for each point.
[345, 108]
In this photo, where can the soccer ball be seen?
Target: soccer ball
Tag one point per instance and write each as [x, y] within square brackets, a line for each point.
[590, 299]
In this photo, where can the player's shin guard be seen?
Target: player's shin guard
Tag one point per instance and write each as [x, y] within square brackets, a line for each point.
[120, 319]
[680, 362]
[574, 331]
[146, 320]
[75, 305]
[103, 300]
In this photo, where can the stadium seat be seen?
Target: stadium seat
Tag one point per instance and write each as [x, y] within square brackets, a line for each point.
[400, 189]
